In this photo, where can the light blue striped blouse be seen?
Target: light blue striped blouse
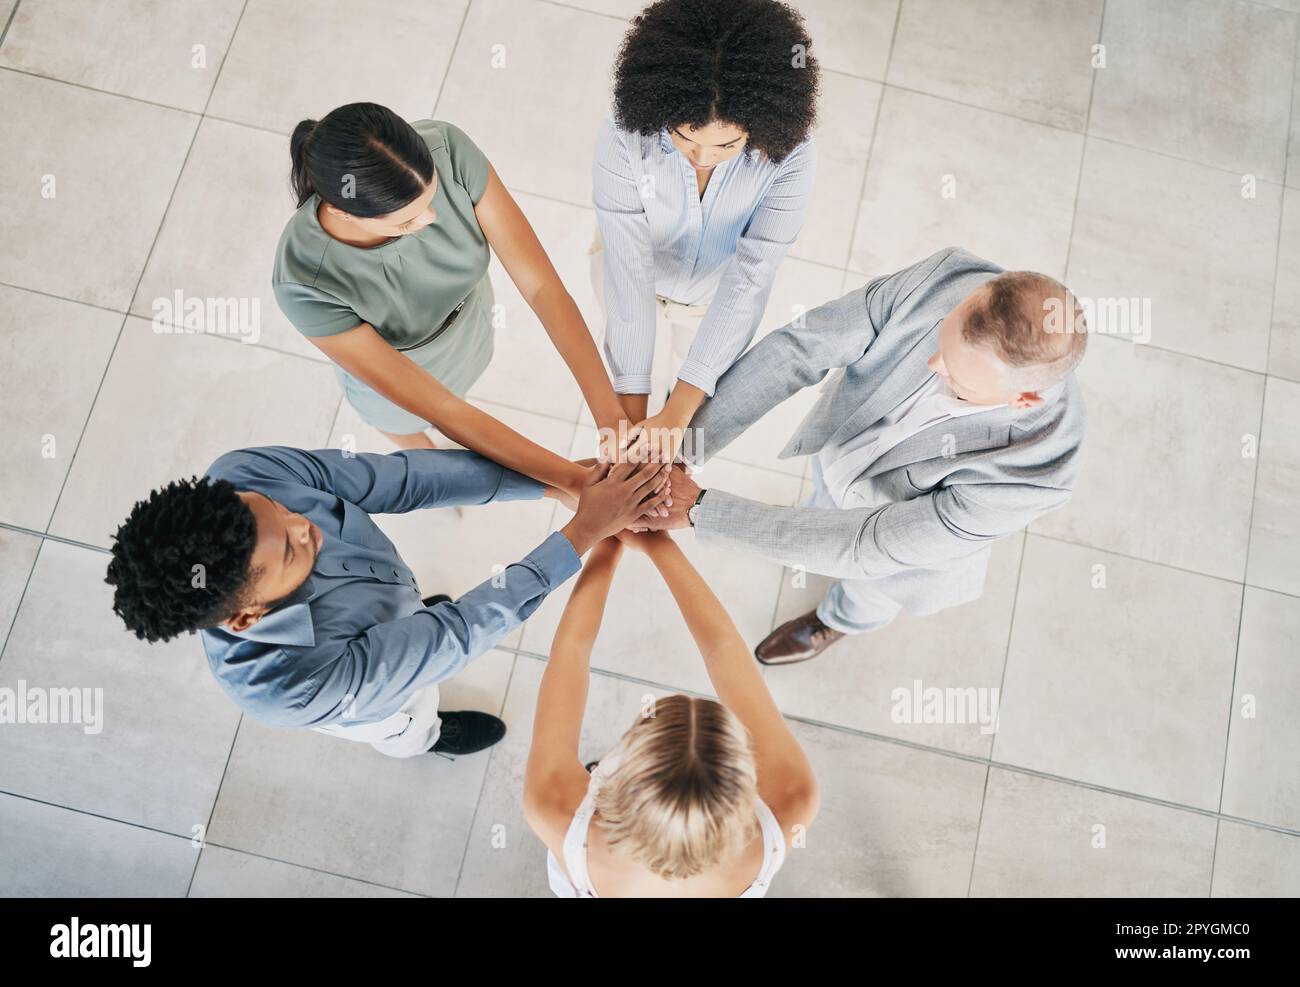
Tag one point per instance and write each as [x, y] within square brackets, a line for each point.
[661, 238]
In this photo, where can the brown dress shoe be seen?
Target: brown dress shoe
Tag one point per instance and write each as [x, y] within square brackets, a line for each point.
[796, 640]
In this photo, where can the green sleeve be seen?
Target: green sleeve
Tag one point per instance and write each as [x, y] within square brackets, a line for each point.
[470, 163]
[314, 312]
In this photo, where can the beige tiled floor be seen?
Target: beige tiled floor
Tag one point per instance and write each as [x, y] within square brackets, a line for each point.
[1144, 638]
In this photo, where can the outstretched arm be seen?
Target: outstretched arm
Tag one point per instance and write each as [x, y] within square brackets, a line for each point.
[555, 780]
[786, 780]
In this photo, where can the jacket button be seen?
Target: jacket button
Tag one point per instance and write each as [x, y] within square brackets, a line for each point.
[345, 567]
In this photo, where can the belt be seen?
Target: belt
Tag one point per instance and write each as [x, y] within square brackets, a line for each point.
[446, 324]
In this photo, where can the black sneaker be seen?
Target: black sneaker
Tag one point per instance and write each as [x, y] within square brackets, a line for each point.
[467, 732]
[437, 598]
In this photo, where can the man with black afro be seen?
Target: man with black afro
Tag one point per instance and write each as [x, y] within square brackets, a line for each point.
[309, 616]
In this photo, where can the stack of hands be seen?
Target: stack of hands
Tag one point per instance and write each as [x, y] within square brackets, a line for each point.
[633, 487]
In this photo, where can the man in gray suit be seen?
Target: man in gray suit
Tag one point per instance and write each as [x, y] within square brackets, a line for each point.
[953, 418]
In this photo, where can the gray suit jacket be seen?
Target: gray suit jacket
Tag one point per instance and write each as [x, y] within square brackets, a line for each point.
[929, 547]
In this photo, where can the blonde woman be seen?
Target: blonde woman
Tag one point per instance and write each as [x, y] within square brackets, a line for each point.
[698, 800]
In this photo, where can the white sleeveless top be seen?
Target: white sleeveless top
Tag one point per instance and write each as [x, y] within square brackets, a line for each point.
[575, 847]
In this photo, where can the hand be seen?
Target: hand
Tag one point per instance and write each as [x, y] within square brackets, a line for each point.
[657, 438]
[614, 497]
[660, 509]
[685, 490]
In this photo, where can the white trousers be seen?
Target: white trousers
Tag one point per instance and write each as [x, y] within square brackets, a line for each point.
[412, 730]
[676, 326]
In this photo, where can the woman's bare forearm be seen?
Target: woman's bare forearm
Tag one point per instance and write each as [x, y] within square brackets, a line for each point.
[559, 315]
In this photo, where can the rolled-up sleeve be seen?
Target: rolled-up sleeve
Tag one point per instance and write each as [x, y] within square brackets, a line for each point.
[629, 286]
[737, 307]
[395, 483]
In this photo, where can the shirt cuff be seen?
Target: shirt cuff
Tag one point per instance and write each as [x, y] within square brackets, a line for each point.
[516, 486]
[701, 375]
[554, 560]
[632, 384]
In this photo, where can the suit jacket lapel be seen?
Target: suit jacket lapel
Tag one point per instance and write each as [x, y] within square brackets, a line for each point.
[891, 378]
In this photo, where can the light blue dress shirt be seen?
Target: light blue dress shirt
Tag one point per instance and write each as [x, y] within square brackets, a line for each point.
[662, 238]
[354, 641]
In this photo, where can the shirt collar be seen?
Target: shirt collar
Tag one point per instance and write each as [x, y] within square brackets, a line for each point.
[288, 624]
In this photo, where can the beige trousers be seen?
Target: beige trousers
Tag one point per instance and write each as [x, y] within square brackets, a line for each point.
[412, 730]
[676, 326]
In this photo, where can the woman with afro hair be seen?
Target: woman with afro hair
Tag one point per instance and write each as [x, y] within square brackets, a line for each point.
[700, 183]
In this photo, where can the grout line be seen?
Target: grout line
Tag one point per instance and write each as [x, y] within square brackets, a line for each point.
[1250, 516]
[979, 829]
[1191, 356]
[144, 267]
[207, 843]
[216, 798]
[487, 768]
[105, 92]
[18, 605]
[1002, 687]
[46, 536]
[318, 870]
[987, 762]
[9, 23]
[875, 132]
[451, 57]
[1083, 150]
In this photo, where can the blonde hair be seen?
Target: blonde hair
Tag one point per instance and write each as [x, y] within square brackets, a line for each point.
[682, 793]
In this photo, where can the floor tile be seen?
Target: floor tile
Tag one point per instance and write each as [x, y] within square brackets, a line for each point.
[1042, 839]
[217, 244]
[1165, 474]
[1284, 343]
[107, 165]
[290, 62]
[153, 751]
[55, 353]
[646, 638]
[450, 552]
[944, 47]
[165, 53]
[878, 682]
[894, 822]
[1119, 674]
[506, 80]
[1206, 80]
[843, 140]
[1275, 523]
[230, 874]
[19, 554]
[1255, 863]
[851, 38]
[1183, 240]
[206, 396]
[947, 175]
[50, 852]
[1260, 781]
[337, 805]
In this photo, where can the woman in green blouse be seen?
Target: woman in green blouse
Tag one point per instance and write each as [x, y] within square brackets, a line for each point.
[384, 267]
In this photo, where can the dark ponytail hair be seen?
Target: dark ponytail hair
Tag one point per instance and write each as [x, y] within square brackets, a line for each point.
[362, 158]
